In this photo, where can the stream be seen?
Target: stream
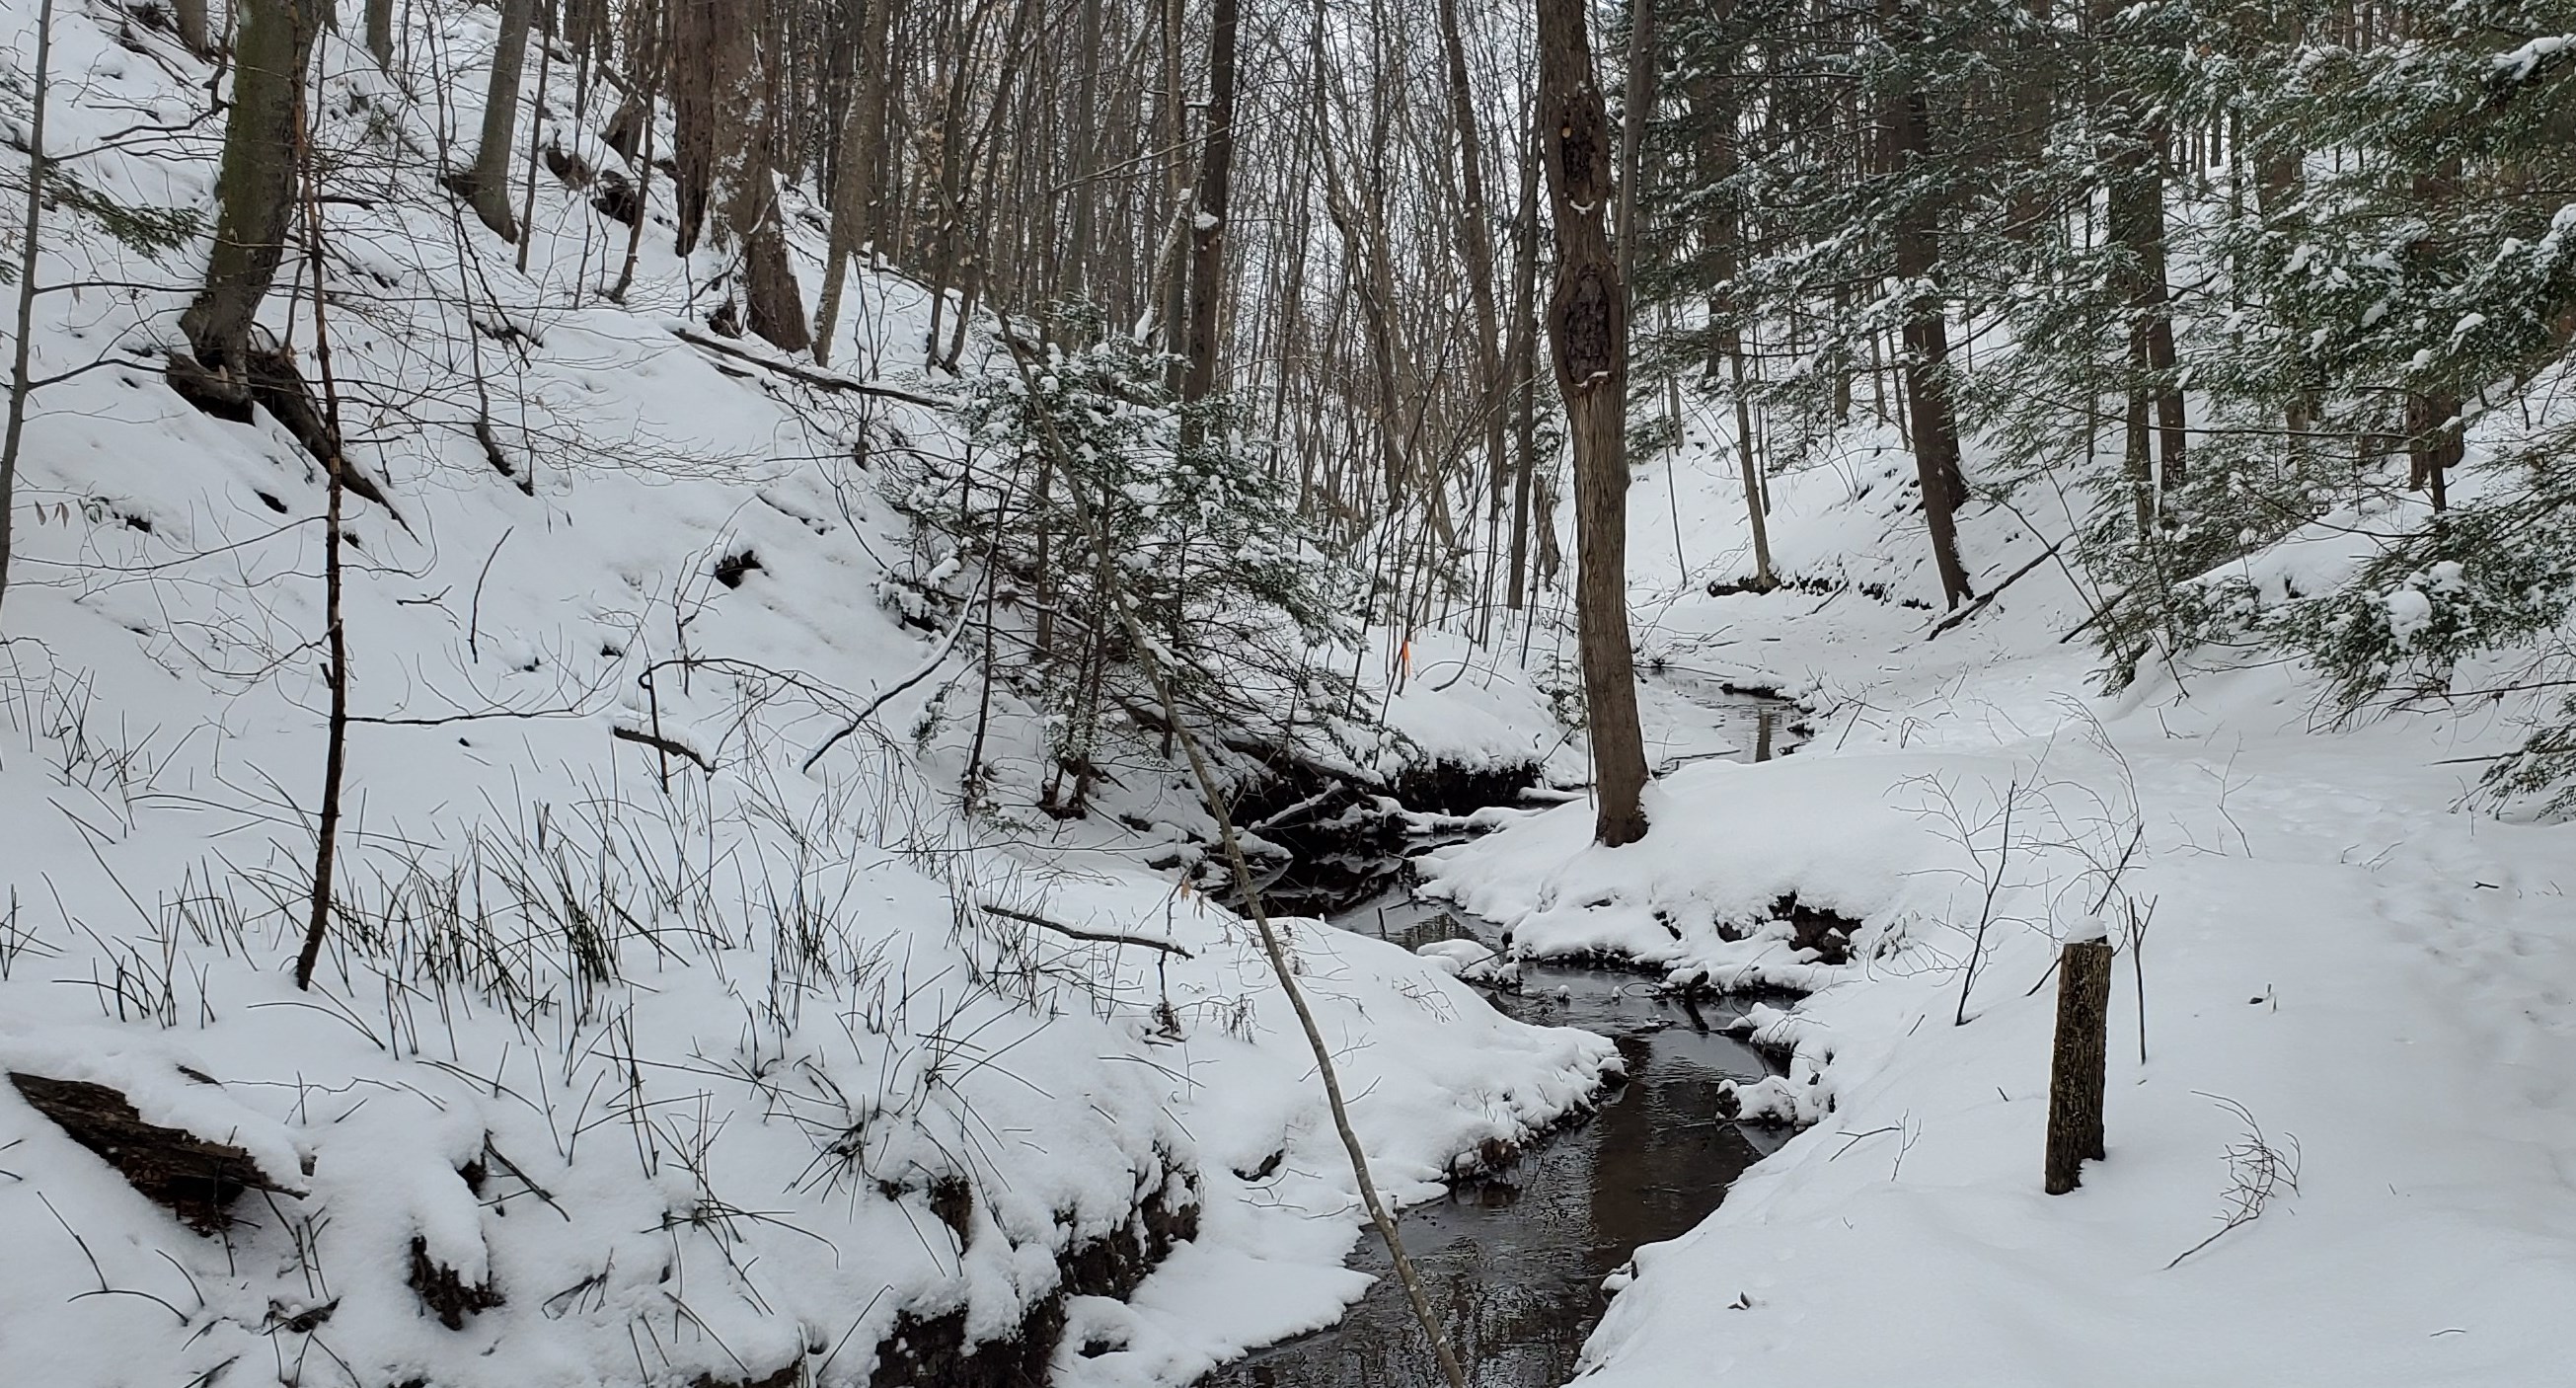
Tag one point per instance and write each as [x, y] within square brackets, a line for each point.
[1514, 1260]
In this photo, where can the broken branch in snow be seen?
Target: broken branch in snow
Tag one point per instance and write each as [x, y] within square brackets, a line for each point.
[1972, 609]
[937, 657]
[2258, 1171]
[663, 744]
[1075, 932]
[820, 380]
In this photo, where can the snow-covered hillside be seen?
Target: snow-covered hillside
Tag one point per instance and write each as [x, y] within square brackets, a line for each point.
[642, 1050]
[2337, 1136]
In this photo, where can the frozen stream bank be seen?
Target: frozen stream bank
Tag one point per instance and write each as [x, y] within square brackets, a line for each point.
[1516, 1260]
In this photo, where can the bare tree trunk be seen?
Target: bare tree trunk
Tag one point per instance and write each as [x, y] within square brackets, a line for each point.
[536, 134]
[272, 47]
[1207, 221]
[1086, 157]
[1174, 278]
[773, 305]
[190, 18]
[1588, 323]
[487, 184]
[697, 27]
[335, 634]
[1927, 332]
[643, 179]
[1476, 239]
[29, 229]
[855, 171]
[724, 118]
[1723, 235]
[1525, 365]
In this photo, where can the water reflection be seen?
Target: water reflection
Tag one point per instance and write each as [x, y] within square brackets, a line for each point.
[1514, 1263]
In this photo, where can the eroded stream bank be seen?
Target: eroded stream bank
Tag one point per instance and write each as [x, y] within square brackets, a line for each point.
[1515, 1260]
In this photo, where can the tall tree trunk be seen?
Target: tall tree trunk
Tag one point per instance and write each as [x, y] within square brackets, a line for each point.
[380, 29]
[1086, 157]
[1524, 363]
[487, 184]
[1476, 240]
[272, 47]
[30, 227]
[1588, 326]
[1713, 95]
[1927, 329]
[1207, 221]
[773, 305]
[724, 117]
[1173, 285]
[335, 643]
[189, 16]
[696, 28]
[536, 135]
[855, 169]
[2134, 221]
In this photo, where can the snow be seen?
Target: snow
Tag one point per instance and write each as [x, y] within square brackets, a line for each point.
[721, 1046]
[2343, 967]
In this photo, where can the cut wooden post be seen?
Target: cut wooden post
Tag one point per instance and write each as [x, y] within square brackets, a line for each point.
[2081, 1058]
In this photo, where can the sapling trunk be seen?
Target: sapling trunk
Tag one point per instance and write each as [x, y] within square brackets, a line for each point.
[29, 229]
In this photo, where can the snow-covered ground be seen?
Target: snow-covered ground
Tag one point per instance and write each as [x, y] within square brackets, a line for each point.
[710, 1065]
[2359, 996]
[696, 1066]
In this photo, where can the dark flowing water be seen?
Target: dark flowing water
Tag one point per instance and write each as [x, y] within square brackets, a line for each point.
[1514, 1262]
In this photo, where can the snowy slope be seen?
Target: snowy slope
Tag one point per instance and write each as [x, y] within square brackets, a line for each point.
[2357, 1019]
[694, 1067]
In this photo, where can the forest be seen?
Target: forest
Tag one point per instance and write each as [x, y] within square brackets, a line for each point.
[1143, 693]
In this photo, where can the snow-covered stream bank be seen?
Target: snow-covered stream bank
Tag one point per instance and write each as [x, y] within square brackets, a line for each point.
[1516, 1258]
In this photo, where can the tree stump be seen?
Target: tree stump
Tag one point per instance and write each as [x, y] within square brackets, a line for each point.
[2080, 1062]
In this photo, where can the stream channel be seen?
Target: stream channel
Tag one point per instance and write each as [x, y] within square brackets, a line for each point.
[1514, 1260]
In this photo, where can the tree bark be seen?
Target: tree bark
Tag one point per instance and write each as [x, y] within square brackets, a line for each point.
[2080, 1062]
[1588, 328]
[1927, 331]
[1207, 221]
[487, 184]
[1713, 95]
[855, 172]
[1476, 241]
[30, 229]
[255, 188]
[1525, 364]
[724, 114]
[697, 27]
[190, 18]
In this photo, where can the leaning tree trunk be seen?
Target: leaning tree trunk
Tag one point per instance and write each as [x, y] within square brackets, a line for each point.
[255, 188]
[1207, 224]
[1587, 323]
[487, 184]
